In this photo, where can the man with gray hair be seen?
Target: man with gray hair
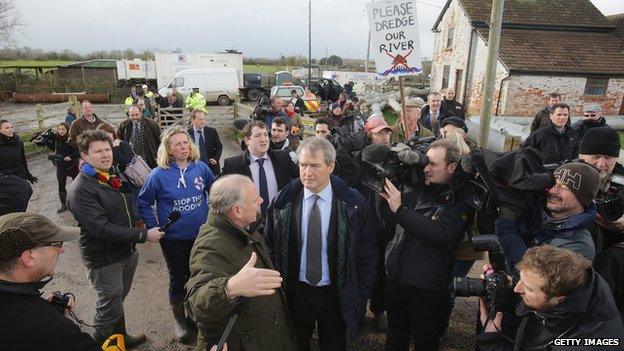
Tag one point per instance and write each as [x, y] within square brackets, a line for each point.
[322, 242]
[593, 119]
[230, 267]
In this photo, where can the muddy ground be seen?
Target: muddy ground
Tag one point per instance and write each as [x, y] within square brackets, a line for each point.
[146, 307]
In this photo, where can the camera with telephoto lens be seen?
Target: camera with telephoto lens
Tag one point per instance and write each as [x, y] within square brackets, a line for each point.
[494, 286]
[403, 168]
[60, 301]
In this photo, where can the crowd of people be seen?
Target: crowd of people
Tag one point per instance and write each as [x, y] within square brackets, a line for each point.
[301, 234]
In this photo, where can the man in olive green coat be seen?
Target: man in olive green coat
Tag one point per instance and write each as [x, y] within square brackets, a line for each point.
[231, 273]
[412, 120]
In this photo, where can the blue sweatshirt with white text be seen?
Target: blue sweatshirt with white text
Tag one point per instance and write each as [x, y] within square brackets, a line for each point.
[175, 189]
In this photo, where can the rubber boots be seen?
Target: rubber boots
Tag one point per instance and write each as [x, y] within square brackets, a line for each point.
[182, 332]
[130, 340]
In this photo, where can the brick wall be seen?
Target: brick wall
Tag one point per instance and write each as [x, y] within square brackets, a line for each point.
[528, 94]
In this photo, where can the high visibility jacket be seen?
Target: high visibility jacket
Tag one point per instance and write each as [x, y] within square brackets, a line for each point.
[198, 101]
[149, 94]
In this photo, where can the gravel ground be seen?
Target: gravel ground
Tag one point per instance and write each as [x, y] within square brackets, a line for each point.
[146, 306]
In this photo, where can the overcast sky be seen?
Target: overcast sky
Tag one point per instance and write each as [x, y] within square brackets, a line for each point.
[258, 28]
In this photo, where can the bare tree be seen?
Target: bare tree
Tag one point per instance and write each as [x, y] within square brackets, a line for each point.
[9, 21]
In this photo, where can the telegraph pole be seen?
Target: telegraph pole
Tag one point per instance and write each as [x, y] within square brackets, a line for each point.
[496, 22]
[309, 42]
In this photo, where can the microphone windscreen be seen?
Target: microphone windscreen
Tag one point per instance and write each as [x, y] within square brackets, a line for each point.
[375, 153]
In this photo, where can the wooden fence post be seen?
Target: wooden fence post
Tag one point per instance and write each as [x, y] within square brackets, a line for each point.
[40, 116]
[77, 108]
[235, 107]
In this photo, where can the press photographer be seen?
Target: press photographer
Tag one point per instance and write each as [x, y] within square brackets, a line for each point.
[29, 248]
[65, 157]
[562, 298]
[431, 220]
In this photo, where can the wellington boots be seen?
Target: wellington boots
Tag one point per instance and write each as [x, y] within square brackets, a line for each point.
[130, 340]
[182, 332]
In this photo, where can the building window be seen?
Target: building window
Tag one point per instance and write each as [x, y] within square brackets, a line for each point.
[449, 38]
[596, 86]
[445, 76]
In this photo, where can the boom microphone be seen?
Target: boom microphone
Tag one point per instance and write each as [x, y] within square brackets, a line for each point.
[375, 153]
[173, 216]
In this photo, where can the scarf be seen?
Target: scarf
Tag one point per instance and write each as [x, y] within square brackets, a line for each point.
[104, 177]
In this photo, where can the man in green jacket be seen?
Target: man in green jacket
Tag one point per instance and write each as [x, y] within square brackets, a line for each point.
[231, 273]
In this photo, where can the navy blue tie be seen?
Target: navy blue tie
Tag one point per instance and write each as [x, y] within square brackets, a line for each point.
[264, 187]
[202, 147]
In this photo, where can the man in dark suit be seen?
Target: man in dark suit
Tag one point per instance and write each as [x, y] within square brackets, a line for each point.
[206, 139]
[433, 113]
[269, 169]
[319, 233]
[142, 133]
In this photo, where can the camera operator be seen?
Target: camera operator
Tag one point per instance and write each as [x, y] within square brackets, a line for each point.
[432, 220]
[562, 221]
[267, 110]
[29, 248]
[600, 147]
[562, 299]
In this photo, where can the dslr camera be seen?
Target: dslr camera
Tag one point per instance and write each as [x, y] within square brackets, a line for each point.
[494, 287]
[60, 301]
[263, 107]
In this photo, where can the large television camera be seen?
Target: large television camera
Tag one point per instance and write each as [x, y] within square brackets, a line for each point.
[43, 138]
[402, 164]
[495, 285]
[264, 107]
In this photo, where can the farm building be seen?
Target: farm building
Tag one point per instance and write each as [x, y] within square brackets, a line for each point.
[564, 46]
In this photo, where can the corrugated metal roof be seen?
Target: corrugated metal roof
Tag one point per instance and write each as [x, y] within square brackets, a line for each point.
[97, 63]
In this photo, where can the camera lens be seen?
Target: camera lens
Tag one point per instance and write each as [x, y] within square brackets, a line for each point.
[467, 287]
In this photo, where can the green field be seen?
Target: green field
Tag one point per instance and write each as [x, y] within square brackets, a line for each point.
[32, 63]
[265, 69]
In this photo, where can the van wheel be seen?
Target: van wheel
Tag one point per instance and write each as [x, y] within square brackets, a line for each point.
[254, 95]
[223, 100]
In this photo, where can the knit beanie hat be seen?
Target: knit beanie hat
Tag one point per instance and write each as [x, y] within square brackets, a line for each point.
[582, 179]
[600, 141]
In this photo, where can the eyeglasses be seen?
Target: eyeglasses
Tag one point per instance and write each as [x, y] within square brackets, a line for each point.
[57, 244]
[590, 115]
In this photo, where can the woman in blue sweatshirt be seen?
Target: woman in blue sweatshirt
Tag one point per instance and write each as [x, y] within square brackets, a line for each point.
[179, 183]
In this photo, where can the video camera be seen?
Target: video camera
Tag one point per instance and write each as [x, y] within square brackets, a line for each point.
[56, 159]
[263, 107]
[402, 165]
[43, 138]
[494, 286]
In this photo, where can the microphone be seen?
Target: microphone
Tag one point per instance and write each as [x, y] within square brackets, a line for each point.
[173, 216]
[375, 153]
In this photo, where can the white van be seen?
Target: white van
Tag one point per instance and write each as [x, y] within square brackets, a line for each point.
[216, 84]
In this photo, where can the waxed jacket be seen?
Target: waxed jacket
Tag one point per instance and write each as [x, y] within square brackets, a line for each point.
[220, 251]
[353, 251]
[151, 137]
[105, 218]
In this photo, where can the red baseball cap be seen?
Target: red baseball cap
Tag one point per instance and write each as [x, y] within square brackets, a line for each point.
[376, 124]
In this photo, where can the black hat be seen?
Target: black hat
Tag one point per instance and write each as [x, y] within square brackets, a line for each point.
[582, 179]
[456, 121]
[600, 141]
